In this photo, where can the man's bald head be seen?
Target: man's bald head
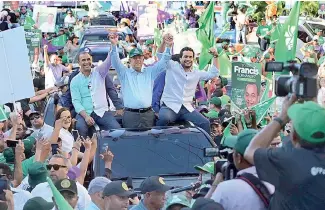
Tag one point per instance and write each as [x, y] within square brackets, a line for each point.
[251, 95]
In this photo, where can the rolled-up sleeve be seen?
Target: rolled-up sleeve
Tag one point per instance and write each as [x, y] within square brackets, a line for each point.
[206, 75]
[161, 64]
[76, 96]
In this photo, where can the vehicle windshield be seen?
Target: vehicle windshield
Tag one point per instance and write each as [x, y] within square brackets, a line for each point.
[103, 21]
[309, 28]
[96, 37]
[99, 56]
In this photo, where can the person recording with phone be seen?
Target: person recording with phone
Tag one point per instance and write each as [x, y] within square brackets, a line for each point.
[238, 194]
[303, 162]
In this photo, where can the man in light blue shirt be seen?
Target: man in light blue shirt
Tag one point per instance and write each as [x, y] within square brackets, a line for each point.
[180, 86]
[88, 95]
[137, 83]
[95, 190]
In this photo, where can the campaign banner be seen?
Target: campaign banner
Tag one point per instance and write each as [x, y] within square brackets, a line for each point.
[246, 84]
[147, 21]
[33, 41]
[45, 18]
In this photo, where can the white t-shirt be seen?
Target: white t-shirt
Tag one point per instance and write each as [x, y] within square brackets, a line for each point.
[46, 131]
[47, 27]
[43, 190]
[69, 20]
[20, 198]
[67, 140]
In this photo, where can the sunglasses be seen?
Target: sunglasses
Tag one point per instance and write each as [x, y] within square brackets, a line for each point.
[35, 117]
[55, 167]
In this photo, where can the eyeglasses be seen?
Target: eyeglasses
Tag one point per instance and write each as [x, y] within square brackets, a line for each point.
[35, 117]
[55, 167]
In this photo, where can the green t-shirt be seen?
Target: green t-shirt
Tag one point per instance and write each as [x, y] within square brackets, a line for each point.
[321, 40]
[263, 30]
[212, 114]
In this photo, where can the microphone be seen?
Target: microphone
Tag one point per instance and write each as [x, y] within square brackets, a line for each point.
[190, 187]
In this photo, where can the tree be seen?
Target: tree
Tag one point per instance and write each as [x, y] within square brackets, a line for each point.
[309, 8]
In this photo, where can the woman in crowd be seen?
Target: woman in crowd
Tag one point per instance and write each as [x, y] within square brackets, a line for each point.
[71, 48]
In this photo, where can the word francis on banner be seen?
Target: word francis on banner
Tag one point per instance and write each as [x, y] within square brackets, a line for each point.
[246, 84]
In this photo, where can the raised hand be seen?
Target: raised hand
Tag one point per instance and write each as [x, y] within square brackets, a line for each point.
[113, 38]
[107, 155]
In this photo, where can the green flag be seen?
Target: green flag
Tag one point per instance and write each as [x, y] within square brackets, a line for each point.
[265, 95]
[61, 203]
[157, 36]
[3, 115]
[205, 34]
[287, 43]
[226, 134]
[29, 22]
[225, 65]
[262, 108]
[59, 41]
[275, 32]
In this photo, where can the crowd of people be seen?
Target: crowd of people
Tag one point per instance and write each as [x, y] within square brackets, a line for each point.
[279, 161]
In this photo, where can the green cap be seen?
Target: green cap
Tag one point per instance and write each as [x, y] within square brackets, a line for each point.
[272, 46]
[28, 144]
[211, 114]
[267, 56]
[9, 155]
[38, 203]
[178, 199]
[135, 52]
[225, 100]
[66, 185]
[118, 188]
[310, 48]
[224, 43]
[317, 30]
[215, 101]
[208, 167]
[243, 140]
[314, 130]
[149, 42]
[37, 174]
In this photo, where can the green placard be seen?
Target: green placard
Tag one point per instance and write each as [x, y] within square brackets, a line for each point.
[246, 84]
[33, 40]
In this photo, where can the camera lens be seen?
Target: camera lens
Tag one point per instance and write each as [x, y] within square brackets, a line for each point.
[282, 86]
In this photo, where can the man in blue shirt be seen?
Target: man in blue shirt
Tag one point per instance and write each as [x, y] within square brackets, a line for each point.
[88, 94]
[180, 86]
[137, 82]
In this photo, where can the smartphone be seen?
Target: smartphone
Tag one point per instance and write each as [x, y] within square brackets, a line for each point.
[233, 121]
[4, 185]
[75, 134]
[39, 136]
[54, 148]
[11, 143]
[218, 166]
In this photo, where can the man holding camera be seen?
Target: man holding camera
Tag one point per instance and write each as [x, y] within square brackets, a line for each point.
[237, 194]
[297, 172]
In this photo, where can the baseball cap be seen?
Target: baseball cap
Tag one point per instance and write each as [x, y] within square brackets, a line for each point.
[63, 81]
[28, 144]
[98, 184]
[66, 185]
[37, 174]
[272, 45]
[208, 167]
[317, 30]
[135, 52]
[9, 155]
[34, 113]
[177, 199]
[38, 203]
[149, 41]
[242, 141]
[205, 204]
[216, 101]
[314, 130]
[267, 56]
[215, 121]
[118, 188]
[154, 183]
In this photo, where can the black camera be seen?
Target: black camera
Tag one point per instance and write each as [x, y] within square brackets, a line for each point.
[225, 164]
[303, 81]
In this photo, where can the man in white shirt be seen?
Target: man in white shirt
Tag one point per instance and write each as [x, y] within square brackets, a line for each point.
[237, 194]
[40, 128]
[48, 26]
[69, 19]
[58, 169]
[180, 86]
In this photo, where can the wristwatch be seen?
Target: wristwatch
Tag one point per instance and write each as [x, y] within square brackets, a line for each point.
[280, 121]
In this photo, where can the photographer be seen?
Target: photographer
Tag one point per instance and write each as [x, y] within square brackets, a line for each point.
[237, 194]
[297, 172]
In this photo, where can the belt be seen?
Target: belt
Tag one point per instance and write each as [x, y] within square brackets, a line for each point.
[138, 110]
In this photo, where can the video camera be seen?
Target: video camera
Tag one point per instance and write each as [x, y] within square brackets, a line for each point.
[225, 164]
[303, 82]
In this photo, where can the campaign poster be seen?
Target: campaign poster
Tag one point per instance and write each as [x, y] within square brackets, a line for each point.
[246, 84]
[33, 41]
[321, 10]
[147, 21]
[45, 18]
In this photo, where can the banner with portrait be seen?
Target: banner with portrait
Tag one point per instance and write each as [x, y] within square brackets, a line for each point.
[246, 84]
[33, 41]
[45, 18]
[147, 21]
